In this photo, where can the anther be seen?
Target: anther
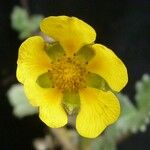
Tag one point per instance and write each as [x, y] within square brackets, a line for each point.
[68, 74]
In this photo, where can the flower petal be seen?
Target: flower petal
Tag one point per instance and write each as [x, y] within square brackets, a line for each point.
[32, 59]
[108, 66]
[35, 93]
[51, 112]
[71, 32]
[49, 101]
[98, 110]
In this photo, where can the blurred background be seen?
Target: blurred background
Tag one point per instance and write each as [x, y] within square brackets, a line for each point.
[123, 26]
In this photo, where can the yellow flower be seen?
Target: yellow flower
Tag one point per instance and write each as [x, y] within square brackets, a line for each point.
[71, 75]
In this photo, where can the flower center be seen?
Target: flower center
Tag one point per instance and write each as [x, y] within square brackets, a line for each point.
[68, 74]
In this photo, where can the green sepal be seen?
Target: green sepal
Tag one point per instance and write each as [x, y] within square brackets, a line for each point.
[54, 50]
[45, 80]
[86, 53]
[71, 102]
[96, 81]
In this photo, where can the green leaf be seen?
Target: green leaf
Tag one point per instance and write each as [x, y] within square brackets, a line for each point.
[103, 143]
[19, 18]
[126, 105]
[23, 23]
[135, 119]
[35, 22]
[130, 117]
[142, 96]
[18, 100]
